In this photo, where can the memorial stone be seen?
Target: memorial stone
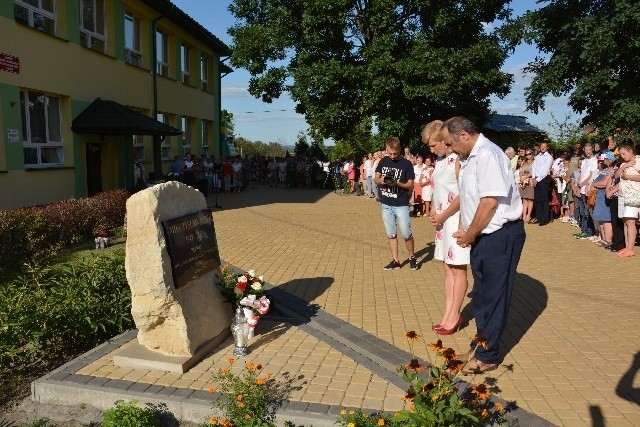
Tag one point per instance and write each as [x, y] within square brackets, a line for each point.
[171, 262]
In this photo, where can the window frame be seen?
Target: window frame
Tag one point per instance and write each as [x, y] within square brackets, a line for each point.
[162, 55]
[204, 134]
[166, 143]
[94, 34]
[186, 126]
[136, 51]
[185, 63]
[26, 119]
[52, 15]
[204, 72]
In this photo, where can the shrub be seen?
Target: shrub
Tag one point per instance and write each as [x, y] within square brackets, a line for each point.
[24, 234]
[129, 414]
[38, 232]
[50, 312]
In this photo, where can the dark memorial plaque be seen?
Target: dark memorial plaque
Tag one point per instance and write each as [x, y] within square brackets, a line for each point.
[192, 246]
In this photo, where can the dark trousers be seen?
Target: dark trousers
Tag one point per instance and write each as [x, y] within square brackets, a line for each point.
[617, 225]
[541, 200]
[494, 259]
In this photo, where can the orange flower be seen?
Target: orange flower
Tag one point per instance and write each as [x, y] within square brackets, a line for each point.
[412, 407]
[484, 413]
[250, 366]
[449, 354]
[481, 391]
[239, 397]
[261, 381]
[380, 422]
[480, 341]
[212, 389]
[414, 366]
[437, 346]
[411, 335]
[409, 396]
[499, 406]
[455, 365]
[230, 360]
[247, 417]
[240, 404]
[213, 420]
[225, 371]
[269, 374]
[225, 422]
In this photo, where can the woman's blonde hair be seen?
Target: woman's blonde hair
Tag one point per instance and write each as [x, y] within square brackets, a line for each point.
[432, 130]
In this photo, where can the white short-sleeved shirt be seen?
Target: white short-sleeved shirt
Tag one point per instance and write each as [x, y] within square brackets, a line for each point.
[588, 166]
[486, 172]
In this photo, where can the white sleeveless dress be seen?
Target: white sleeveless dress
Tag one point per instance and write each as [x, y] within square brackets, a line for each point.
[445, 190]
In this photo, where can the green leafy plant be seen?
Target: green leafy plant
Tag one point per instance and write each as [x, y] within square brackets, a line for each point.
[357, 418]
[435, 400]
[129, 414]
[42, 422]
[244, 397]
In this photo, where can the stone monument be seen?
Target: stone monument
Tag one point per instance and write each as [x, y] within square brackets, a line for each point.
[171, 261]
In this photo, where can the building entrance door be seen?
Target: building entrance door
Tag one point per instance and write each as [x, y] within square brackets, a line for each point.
[94, 169]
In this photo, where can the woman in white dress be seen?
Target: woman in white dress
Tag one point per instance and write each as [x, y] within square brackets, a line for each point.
[445, 216]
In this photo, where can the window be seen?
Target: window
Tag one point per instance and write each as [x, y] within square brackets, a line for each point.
[41, 135]
[138, 140]
[205, 135]
[162, 52]
[204, 73]
[92, 33]
[39, 14]
[165, 147]
[185, 126]
[132, 52]
[185, 66]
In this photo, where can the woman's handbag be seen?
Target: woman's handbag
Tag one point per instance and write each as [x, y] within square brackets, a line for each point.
[591, 198]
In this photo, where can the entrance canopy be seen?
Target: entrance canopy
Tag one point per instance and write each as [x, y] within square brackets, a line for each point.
[111, 118]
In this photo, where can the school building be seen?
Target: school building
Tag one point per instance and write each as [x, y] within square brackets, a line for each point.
[87, 87]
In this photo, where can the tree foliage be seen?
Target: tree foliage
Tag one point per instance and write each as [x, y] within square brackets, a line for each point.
[593, 49]
[301, 148]
[259, 148]
[390, 64]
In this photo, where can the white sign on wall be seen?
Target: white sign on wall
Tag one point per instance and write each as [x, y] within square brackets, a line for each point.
[13, 135]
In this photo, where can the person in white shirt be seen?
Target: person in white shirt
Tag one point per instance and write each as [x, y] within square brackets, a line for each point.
[491, 224]
[588, 169]
[541, 182]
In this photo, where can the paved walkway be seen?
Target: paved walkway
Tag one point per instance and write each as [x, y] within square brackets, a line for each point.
[571, 348]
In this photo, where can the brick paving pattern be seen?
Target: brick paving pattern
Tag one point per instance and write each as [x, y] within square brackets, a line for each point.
[571, 348]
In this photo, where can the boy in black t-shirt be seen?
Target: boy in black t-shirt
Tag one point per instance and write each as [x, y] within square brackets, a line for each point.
[394, 177]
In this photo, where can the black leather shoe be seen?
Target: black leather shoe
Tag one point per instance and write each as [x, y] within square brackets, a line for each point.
[543, 223]
[615, 249]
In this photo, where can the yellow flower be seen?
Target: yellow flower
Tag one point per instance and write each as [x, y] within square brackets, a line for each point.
[343, 412]
[351, 425]
[411, 335]
[481, 391]
[351, 412]
[380, 422]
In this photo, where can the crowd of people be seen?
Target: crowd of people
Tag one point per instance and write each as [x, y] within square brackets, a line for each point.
[593, 188]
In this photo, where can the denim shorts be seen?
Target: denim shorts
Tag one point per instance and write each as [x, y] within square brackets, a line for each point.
[389, 215]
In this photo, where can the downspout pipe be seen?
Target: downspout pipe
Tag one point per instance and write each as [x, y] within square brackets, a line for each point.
[157, 140]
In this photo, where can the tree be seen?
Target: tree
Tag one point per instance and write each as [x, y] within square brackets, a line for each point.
[301, 148]
[593, 49]
[227, 122]
[392, 64]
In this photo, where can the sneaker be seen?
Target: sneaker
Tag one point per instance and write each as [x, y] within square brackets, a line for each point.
[393, 265]
[585, 236]
[413, 263]
[578, 235]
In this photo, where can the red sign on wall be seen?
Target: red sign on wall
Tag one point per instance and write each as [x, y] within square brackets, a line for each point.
[9, 63]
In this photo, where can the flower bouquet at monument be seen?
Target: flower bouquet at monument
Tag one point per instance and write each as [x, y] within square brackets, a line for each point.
[244, 290]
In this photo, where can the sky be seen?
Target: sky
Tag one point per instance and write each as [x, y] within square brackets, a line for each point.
[255, 120]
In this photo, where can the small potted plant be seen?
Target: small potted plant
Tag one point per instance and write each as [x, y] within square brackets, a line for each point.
[102, 237]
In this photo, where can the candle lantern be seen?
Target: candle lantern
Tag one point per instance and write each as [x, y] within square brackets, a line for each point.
[240, 331]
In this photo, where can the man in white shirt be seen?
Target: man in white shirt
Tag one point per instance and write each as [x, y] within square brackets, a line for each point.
[490, 222]
[542, 184]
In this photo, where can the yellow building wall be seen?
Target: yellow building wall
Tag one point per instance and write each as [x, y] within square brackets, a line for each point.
[44, 186]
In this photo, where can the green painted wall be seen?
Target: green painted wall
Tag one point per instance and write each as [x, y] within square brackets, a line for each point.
[10, 96]
[118, 20]
[6, 9]
[73, 21]
[80, 171]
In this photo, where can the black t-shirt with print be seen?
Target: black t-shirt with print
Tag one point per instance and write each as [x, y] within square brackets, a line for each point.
[402, 171]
